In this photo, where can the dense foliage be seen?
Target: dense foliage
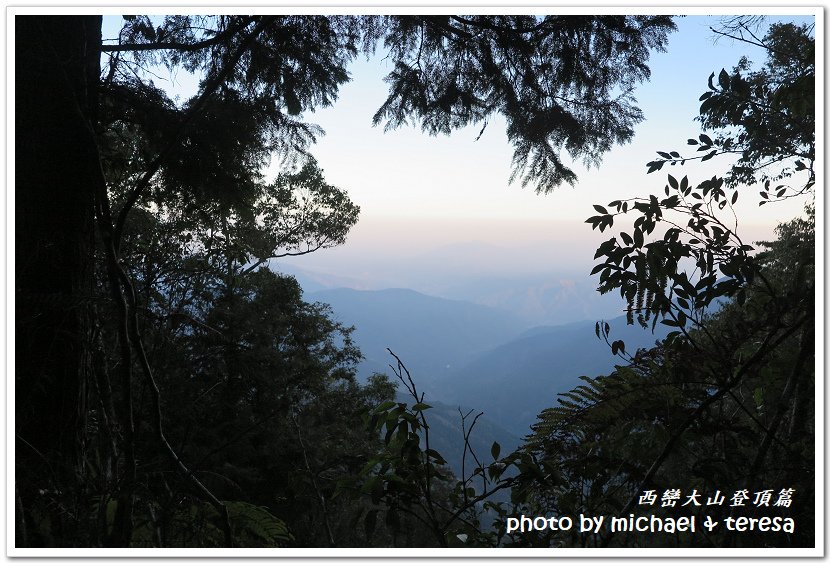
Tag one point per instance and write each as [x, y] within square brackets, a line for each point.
[728, 407]
[171, 390]
[718, 420]
[726, 402]
[168, 385]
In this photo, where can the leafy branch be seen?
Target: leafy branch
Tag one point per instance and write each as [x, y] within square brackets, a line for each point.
[404, 476]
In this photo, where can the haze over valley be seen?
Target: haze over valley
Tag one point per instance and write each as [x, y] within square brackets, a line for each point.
[492, 315]
[473, 337]
[500, 351]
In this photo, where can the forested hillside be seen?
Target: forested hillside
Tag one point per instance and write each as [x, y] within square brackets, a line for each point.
[171, 390]
[513, 382]
[440, 335]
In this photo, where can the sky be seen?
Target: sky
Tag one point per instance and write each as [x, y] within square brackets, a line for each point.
[405, 173]
[450, 197]
[418, 192]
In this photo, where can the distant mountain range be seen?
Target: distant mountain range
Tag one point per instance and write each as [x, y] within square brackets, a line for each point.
[548, 298]
[433, 336]
[466, 355]
[514, 382]
[477, 357]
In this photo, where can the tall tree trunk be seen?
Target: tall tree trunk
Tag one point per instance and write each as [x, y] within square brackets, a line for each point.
[57, 67]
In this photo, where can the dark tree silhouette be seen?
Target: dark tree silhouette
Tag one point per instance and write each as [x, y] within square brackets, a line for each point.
[97, 147]
[56, 100]
[724, 402]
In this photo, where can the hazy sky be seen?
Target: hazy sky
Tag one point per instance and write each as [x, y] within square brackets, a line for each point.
[407, 173]
[418, 193]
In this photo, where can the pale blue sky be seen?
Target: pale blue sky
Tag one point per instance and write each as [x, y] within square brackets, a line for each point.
[418, 192]
[406, 173]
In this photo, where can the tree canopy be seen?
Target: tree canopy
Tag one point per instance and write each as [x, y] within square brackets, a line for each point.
[172, 359]
[725, 402]
[172, 390]
[561, 82]
[765, 117]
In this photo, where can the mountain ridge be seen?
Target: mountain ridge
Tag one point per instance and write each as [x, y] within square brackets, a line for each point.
[474, 356]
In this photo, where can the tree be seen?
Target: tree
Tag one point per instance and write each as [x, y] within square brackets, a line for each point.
[260, 394]
[191, 172]
[410, 481]
[723, 402]
[729, 409]
[55, 94]
[744, 107]
[561, 82]
[650, 276]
